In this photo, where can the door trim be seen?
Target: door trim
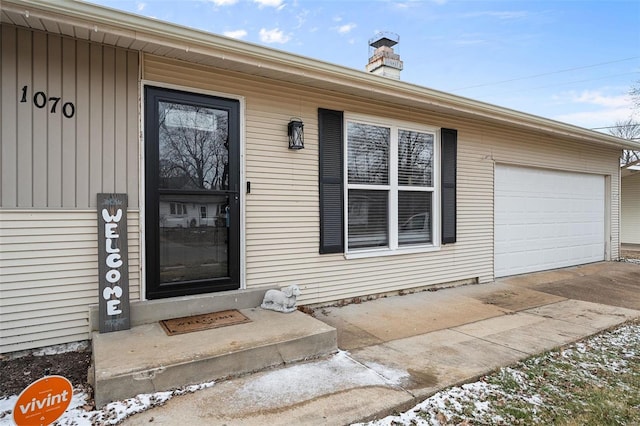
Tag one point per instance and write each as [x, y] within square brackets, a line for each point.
[143, 83]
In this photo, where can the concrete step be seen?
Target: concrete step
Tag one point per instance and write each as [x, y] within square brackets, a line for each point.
[145, 359]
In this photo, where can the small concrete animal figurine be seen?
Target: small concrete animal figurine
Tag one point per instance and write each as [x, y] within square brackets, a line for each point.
[281, 300]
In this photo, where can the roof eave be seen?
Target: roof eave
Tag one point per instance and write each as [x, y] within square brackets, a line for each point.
[277, 64]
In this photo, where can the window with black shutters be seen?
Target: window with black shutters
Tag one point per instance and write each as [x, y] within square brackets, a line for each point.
[391, 185]
[385, 186]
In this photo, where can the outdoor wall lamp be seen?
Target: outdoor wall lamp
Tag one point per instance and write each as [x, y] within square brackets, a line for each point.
[295, 130]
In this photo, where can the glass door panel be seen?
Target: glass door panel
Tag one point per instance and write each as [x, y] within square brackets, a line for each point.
[193, 247]
[192, 198]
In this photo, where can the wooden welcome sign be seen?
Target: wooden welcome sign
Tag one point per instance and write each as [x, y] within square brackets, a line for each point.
[113, 261]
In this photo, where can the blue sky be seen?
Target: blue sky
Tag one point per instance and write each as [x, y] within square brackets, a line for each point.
[568, 60]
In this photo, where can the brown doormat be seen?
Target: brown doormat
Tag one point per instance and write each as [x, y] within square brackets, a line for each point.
[203, 322]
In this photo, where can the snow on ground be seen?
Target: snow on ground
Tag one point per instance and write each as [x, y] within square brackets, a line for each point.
[475, 401]
[306, 381]
[280, 386]
[80, 414]
[608, 351]
[341, 371]
[50, 350]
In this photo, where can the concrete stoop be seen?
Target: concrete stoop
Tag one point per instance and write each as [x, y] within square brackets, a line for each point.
[145, 359]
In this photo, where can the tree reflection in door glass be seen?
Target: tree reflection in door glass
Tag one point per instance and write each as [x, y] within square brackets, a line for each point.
[194, 147]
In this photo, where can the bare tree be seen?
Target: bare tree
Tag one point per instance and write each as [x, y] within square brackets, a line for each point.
[630, 130]
[193, 147]
[415, 158]
[368, 155]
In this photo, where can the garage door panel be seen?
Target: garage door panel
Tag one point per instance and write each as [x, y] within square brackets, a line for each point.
[546, 219]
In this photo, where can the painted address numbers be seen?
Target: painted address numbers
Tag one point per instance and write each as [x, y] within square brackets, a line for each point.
[40, 100]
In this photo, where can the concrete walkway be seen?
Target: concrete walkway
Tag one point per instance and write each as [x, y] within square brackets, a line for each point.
[397, 351]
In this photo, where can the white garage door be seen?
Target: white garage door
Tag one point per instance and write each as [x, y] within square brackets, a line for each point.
[546, 219]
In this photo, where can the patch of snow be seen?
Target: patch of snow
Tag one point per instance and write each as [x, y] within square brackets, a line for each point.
[392, 376]
[79, 414]
[306, 381]
[607, 351]
[6, 409]
[49, 350]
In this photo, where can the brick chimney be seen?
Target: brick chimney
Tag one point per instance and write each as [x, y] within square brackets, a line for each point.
[384, 61]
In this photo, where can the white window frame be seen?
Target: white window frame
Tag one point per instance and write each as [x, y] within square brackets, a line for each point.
[393, 188]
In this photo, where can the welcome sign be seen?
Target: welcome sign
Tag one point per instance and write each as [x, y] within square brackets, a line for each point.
[113, 260]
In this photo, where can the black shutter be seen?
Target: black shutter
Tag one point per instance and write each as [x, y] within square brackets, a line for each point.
[449, 144]
[331, 136]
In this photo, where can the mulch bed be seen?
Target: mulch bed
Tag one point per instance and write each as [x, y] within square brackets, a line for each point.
[18, 373]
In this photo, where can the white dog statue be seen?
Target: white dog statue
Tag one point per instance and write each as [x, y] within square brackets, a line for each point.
[281, 300]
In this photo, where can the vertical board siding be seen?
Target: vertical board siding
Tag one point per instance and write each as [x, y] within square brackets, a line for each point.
[9, 119]
[49, 161]
[630, 216]
[53, 87]
[49, 266]
[25, 126]
[40, 160]
[282, 211]
[69, 136]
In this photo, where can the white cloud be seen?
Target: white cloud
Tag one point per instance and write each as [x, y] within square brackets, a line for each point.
[224, 2]
[594, 108]
[270, 3]
[273, 36]
[595, 97]
[301, 18]
[236, 34]
[141, 6]
[346, 28]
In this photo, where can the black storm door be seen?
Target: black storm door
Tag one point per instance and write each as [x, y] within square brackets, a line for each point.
[192, 199]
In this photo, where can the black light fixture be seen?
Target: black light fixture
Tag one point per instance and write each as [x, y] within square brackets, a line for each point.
[295, 130]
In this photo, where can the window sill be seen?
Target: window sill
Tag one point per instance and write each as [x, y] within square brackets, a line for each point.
[365, 253]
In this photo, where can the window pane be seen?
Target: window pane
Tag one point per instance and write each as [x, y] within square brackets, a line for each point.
[368, 218]
[194, 148]
[193, 247]
[415, 158]
[368, 153]
[414, 217]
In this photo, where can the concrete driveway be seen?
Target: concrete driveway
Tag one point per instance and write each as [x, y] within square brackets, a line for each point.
[610, 283]
[397, 351]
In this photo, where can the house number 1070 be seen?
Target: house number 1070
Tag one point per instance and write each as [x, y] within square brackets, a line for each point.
[40, 100]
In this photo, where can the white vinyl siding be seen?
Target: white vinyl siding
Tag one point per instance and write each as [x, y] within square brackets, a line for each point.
[630, 216]
[49, 264]
[282, 210]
